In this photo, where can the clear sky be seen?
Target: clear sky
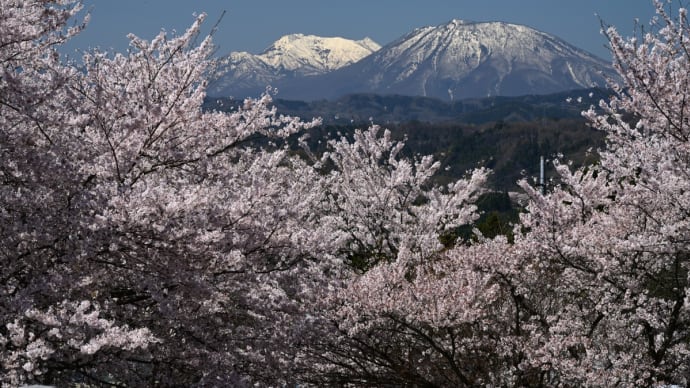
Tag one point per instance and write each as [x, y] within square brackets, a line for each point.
[252, 25]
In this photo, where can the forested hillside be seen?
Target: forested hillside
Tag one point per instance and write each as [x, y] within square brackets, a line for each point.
[360, 109]
[511, 150]
[506, 134]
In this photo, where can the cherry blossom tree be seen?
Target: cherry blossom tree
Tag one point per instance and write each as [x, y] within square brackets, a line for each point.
[614, 236]
[388, 222]
[602, 290]
[381, 203]
[34, 203]
[146, 241]
[594, 289]
[122, 198]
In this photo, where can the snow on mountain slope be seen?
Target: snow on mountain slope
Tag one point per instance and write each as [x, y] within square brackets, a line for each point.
[311, 54]
[452, 61]
[290, 56]
[462, 60]
[482, 59]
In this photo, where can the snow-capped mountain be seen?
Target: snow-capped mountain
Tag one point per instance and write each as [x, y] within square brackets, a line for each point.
[459, 60]
[452, 61]
[312, 55]
[295, 55]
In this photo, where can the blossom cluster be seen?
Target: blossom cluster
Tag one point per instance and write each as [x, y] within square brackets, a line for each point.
[145, 240]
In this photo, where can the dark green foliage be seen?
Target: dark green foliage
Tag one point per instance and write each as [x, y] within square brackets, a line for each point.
[391, 109]
[498, 214]
[510, 149]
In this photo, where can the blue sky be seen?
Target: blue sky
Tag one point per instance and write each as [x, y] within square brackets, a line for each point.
[252, 25]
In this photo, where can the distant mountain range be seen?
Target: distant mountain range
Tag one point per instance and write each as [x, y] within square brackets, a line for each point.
[294, 56]
[361, 109]
[452, 61]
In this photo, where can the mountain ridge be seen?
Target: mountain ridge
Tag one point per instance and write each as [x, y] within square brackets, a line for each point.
[294, 55]
[456, 60]
[298, 51]
[363, 109]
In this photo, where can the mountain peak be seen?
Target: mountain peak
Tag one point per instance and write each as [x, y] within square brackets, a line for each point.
[319, 54]
[459, 22]
[473, 59]
[289, 56]
[369, 43]
[455, 60]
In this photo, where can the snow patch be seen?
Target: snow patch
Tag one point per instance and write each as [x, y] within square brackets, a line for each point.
[316, 54]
